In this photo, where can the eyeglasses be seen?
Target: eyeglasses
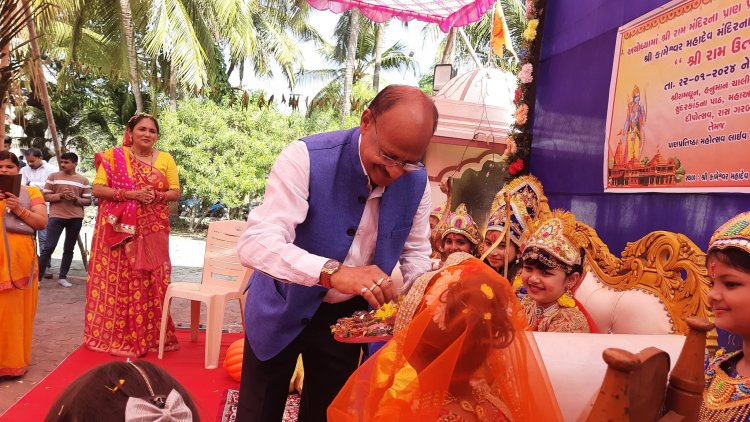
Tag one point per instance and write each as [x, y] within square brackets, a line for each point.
[392, 162]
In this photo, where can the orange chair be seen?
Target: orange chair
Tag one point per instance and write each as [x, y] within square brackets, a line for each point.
[224, 279]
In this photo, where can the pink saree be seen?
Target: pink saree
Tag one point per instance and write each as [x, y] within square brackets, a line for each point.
[126, 286]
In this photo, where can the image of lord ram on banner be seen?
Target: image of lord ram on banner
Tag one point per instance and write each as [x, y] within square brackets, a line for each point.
[628, 167]
[633, 131]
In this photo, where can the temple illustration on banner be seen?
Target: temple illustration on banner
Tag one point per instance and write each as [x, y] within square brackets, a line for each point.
[627, 165]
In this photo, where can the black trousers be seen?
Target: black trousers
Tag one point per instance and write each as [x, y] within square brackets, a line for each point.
[328, 364]
[55, 227]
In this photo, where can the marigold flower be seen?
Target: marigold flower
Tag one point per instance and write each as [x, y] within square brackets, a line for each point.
[530, 32]
[522, 114]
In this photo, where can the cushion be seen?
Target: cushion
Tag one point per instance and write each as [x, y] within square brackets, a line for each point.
[623, 311]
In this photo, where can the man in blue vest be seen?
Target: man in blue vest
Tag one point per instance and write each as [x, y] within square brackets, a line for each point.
[341, 209]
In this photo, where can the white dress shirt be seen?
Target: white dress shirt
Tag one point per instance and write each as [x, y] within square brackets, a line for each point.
[267, 243]
[36, 177]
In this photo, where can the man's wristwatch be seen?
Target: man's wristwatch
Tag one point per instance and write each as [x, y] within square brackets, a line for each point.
[330, 267]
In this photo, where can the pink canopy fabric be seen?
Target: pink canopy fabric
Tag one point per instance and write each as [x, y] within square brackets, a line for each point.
[446, 13]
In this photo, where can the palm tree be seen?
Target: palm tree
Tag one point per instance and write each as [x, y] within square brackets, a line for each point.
[351, 48]
[127, 30]
[394, 57]
[480, 34]
[13, 21]
[379, 35]
[179, 43]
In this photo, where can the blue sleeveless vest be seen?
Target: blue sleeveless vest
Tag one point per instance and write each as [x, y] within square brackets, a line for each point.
[277, 312]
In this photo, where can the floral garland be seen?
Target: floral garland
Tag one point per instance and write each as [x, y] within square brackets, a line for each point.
[518, 149]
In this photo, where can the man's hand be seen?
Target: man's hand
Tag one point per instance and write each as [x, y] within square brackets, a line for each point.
[68, 194]
[369, 282]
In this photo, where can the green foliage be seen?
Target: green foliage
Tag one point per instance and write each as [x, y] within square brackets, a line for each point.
[426, 82]
[224, 152]
[89, 114]
[393, 58]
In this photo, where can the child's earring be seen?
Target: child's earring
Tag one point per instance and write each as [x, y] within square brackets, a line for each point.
[566, 300]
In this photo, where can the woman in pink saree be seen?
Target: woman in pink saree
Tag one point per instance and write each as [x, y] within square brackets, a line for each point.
[129, 269]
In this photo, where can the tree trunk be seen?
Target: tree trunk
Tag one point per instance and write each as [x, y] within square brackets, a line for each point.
[351, 52]
[3, 62]
[127, 27]
[191, 223]
[379, 35]
[232, 64]
[242, 72]
[41, 83]
[172, 88]
[449, 47]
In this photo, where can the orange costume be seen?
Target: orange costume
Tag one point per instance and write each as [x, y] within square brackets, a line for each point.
[19, 295]
[467, 355]
[129, 270]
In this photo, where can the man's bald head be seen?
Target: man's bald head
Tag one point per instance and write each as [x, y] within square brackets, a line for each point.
[396, 129]
[395, 94]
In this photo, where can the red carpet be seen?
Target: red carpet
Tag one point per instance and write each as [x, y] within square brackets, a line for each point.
[206, 386]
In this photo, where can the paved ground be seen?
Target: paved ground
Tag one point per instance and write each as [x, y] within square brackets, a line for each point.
[58, 328]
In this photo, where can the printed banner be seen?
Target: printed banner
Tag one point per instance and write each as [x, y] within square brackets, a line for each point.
[679, 100]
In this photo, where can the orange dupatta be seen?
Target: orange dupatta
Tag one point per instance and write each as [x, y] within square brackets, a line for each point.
[469, 348]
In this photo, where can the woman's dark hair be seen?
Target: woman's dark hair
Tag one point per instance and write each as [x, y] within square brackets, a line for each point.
[466, 310]
[546, 256]
[91, 396]
[138, 117]
[734, 257]
[7, 155]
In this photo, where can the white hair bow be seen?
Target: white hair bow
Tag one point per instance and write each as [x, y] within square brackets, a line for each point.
[144, 410]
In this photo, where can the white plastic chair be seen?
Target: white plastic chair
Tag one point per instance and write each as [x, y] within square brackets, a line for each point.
[224, 279]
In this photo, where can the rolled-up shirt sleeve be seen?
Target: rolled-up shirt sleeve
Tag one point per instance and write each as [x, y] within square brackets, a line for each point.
[415, 258]
[266, 245]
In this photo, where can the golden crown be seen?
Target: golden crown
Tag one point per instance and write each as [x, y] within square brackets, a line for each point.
[439, 211]
[527, 201]
[735, 233]
[460, 222]
[556, 233]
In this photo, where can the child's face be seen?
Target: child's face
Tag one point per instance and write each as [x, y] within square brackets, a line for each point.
[454, 242]
[730, 297]
[545, 286]
[496, 258]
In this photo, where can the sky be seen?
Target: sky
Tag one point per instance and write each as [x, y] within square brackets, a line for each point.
[325, 21]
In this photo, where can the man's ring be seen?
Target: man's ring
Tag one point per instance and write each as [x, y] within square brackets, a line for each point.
[380, 281]
[372, 288]
[363, 291]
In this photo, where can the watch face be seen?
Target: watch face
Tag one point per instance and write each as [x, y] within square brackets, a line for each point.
[332, 265]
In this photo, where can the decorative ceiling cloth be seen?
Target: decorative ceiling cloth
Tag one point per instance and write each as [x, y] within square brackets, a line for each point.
[446, 13]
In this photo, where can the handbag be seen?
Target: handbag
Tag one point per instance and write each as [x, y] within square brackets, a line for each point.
[13, 223]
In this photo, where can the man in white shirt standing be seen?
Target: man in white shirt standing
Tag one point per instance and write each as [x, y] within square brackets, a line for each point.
[36, 173]
[341, 209]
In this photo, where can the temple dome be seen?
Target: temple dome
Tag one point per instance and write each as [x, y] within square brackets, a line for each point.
[487, 86]
[476, 104]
